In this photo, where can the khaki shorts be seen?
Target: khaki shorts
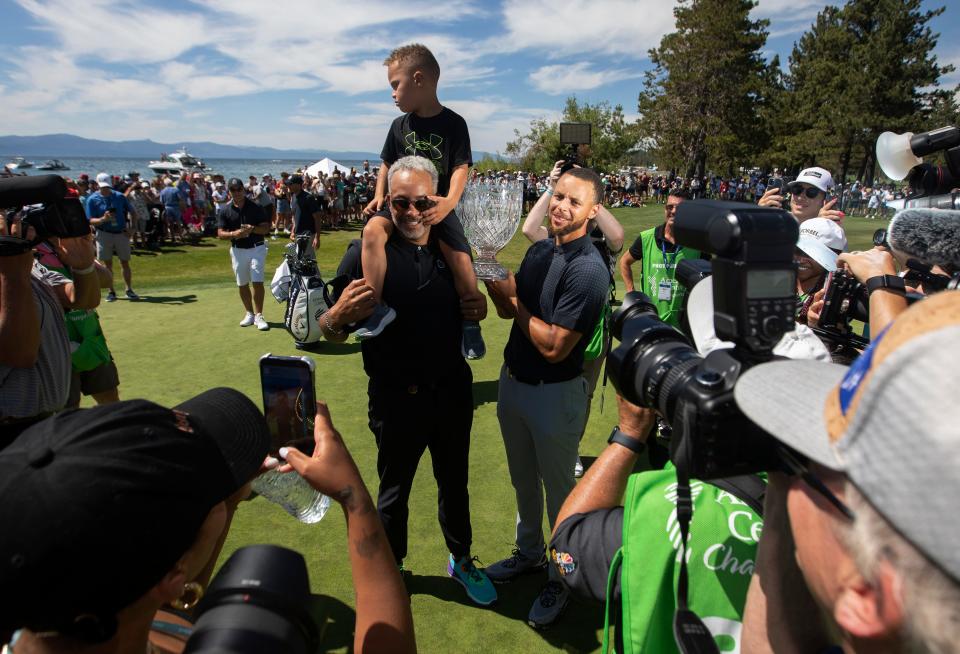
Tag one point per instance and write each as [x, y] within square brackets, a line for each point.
[108, 243]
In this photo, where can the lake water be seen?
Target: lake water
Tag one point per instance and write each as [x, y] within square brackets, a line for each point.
[241, 168]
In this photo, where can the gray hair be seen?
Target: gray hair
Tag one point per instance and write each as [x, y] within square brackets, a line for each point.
[412, 163]
[930, 598]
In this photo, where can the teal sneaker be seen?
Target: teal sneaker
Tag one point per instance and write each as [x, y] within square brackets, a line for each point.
[479, 588]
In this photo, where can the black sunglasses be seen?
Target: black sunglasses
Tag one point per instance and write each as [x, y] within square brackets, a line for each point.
[810, 191]
[421, 204]
[795, 466]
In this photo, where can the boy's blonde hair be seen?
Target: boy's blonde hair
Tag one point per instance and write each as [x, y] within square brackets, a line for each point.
[415, 55]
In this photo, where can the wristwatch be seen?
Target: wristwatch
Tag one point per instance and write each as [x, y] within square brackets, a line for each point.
[891, 283]
[632, 443]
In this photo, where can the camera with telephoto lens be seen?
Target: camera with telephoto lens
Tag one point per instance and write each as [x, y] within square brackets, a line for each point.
[48, 211]
[258, 602]
[754, 296]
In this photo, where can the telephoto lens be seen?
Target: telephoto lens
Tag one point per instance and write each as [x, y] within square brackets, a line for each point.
[258, 602]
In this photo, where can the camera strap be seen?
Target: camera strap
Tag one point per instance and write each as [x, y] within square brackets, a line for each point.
[689, 632]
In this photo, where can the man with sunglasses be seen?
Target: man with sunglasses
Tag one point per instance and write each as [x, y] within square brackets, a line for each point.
[659, 254]
[420, 386]
[808, 196]
[865, 537]
[244, 223]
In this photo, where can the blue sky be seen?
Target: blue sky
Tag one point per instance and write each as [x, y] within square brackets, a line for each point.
[309, 74]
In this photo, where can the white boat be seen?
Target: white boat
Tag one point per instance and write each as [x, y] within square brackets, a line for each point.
[53, 164]
[20, 163]
[177, 162]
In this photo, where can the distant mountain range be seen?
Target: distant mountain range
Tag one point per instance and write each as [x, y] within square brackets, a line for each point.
[68, 145]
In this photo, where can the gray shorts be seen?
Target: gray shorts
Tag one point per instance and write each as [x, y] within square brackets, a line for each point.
[108, 243]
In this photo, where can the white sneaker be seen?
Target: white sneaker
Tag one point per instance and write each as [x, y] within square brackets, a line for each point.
[247, 320]
[260, 322]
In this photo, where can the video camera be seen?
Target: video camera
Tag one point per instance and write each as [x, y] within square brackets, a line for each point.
[754, 290]
[899, 155]
[574, 135]
[258, 602]
[48, 211]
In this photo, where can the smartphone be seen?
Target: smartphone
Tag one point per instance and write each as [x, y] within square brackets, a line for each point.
[289, 402]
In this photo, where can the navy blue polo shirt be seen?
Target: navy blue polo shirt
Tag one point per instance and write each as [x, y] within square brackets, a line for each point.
[564, 285]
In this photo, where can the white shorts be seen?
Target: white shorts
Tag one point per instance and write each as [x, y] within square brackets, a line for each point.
[248, 263]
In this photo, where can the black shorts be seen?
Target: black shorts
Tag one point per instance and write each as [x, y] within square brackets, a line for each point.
[90, 382]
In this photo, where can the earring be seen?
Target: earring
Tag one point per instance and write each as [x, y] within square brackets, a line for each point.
[191, 596]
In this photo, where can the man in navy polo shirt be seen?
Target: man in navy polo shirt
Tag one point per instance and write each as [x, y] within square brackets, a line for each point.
[107, 210]
[555, 302]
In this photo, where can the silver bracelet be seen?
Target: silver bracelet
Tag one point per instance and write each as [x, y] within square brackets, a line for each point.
[329, 325]
[84, 271]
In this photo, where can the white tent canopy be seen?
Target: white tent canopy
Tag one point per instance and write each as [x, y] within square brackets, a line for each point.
[326, 166]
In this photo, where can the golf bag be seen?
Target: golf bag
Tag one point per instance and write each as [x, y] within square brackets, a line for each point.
[305, 292]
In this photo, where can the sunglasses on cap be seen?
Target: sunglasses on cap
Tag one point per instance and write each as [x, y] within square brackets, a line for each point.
[810, 191]
[421, 204]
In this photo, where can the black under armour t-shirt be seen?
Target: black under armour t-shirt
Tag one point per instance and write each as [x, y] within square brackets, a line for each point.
[443, 139]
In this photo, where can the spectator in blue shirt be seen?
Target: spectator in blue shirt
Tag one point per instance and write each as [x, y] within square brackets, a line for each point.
[107, 210]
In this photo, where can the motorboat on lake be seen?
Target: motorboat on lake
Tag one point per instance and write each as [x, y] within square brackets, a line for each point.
[178, 162]
[53, 164]
[19, 163]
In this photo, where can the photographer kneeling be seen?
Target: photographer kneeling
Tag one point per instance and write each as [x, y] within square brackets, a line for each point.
[863, 538]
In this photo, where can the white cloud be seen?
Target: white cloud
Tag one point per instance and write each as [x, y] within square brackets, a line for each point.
[616, 27]
[568, 78]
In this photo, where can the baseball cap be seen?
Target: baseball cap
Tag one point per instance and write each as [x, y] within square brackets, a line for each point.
[144, 184]
[99, 504]
[819, 177]
[294, 179]
[103, 179]
[235, 182]
[821, 239]
[890, 422]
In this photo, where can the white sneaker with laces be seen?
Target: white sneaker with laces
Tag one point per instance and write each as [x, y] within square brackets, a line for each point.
[247, 320]
[260, 322]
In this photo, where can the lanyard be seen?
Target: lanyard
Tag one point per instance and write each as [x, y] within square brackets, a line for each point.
[668, 264]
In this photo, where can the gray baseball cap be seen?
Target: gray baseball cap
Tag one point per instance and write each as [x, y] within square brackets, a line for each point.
[890, 422]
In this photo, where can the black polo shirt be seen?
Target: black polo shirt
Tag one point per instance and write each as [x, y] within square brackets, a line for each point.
[422, 345]
[563, 285]
[230, 218]
[304, 205]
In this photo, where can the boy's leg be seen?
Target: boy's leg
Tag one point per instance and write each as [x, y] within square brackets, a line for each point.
[456, 250]
[373, 258]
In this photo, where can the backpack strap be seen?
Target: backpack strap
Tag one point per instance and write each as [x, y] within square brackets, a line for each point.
[611, 582]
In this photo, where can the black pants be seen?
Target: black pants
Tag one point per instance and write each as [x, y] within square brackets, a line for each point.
[406, 420]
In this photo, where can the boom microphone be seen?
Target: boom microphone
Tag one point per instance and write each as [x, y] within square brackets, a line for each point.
[929, 235]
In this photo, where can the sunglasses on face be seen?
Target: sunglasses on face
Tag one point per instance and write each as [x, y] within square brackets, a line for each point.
[810, 191]
[794, 465]
[420, 204]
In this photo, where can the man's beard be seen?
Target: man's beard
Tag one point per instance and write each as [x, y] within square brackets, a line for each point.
[569, 228]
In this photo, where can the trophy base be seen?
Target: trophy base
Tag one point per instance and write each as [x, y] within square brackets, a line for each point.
[490, 271]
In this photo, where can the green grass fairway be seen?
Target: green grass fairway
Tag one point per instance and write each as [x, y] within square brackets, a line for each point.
[183, 337]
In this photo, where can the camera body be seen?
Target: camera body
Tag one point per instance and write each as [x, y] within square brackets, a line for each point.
[754, 288]
[49, 211]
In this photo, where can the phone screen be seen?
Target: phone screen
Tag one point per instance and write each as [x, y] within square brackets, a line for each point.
[288, 399]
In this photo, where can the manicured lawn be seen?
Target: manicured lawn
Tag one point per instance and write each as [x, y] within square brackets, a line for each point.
[183, 338]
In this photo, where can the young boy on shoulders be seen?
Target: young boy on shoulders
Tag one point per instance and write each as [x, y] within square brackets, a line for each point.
[430, 130]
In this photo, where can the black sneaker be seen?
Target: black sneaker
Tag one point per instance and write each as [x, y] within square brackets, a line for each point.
[472, 345]
[374, 325]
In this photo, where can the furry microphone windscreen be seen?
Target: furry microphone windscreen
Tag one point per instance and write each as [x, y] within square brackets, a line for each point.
[929, 235]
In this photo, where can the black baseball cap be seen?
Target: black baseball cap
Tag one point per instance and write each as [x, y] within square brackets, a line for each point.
[235, 182]
[294, 179]
[99, 504]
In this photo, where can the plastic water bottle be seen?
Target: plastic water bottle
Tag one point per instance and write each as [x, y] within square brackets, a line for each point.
[294, 494]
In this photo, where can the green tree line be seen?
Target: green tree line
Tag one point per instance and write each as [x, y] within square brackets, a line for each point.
[713, 103]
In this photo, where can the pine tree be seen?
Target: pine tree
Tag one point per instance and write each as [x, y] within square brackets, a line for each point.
[699, 105]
